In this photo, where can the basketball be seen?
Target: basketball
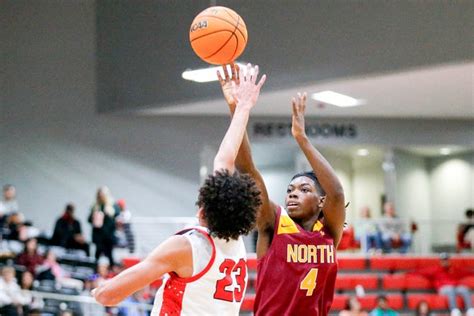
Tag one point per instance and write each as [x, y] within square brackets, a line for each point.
[218, 35]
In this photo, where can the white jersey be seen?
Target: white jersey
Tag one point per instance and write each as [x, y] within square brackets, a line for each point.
[219, 279]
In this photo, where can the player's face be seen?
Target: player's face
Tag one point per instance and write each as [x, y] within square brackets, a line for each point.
[302, 199]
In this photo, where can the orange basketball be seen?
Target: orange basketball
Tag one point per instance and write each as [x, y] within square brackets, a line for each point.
[218, 35]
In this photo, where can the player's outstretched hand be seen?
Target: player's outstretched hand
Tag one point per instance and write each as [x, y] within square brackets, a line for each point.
[246, 91]
[299, 106]
[226, 82]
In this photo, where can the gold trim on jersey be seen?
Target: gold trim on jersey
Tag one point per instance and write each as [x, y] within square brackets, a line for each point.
[286, 225]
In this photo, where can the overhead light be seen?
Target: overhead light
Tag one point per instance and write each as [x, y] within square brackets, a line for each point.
[336, 99]
[204, 74]
[445, 151]
[362, 152]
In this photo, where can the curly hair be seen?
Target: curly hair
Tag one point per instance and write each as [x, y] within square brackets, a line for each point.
[230, 203]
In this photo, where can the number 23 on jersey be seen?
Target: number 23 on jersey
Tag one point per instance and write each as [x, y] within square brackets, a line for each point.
[226, 289]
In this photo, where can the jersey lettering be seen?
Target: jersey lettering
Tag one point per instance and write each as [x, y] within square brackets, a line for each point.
[297, 253]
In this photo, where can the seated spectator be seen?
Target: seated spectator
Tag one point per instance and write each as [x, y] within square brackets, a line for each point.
[30, 258]
[353, 308]
[466, 232]
[382, 308]
[15, 227]
[445, 279]
[68, 233]
[366, 231]
[51, 270]
[423, 309]
[123, 231]
[31, 304]
[11, 298]
[393, 231]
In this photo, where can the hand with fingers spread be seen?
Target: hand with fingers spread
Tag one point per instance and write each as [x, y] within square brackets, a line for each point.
[299, 106]
[246, 91]
[226, 82]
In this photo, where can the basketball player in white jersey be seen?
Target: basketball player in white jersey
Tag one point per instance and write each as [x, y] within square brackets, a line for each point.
[206, 265]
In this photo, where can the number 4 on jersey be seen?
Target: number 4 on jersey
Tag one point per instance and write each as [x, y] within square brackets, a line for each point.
[309, 281]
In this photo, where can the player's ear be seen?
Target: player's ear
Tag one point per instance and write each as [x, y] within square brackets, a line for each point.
[200, 214]
[322, 200]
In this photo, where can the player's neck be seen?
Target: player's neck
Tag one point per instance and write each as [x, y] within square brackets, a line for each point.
[308, 223]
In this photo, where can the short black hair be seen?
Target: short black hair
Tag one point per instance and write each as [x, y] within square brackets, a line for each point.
[230, 203]
[312, 176]
[469, 212]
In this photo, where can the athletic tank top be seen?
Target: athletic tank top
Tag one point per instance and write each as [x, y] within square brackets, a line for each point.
[298, 273]
[218, 284]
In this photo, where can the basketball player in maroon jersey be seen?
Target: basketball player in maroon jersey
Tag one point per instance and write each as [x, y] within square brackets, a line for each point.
[296, 246]
[207, 264]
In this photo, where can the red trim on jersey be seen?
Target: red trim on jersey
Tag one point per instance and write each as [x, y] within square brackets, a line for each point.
[209, 265]
[172, 297]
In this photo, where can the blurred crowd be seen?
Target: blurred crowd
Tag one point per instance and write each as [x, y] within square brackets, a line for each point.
[60, 262]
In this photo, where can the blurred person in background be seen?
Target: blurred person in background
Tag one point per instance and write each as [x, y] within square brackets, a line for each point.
[353, 308]
[68, 232]
[423, 309]
[31, 304]
[445, 279]
[9, 204]
[51, 270]
[11, 298]
[102, 217]
[466, 231]
[366, 231]
[30, 258]
[382, 308]
[393, 231]
[124, 233]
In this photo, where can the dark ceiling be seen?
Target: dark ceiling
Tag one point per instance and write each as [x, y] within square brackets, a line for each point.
[143, 46]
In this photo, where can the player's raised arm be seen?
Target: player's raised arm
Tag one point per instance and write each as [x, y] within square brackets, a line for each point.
[245, 93]
[333, 209]
[244, 163]
[173, 255]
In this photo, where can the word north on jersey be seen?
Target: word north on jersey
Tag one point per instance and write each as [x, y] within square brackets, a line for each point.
[310, 253]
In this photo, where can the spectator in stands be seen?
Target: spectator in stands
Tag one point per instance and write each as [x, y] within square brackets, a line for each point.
[366, 231]
[102, 217]
[382, 308]
[68, 233]
[11, 298]
[31, 304]
[30, 258]
[423, 309]
[9, 204]
[353, 308]
[15, 225]
[466, 231]
[51, 270]
[124, 231]
[393, 231]
[445, 279]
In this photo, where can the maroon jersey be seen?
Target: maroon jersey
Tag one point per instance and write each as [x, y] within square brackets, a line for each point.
[298, 273]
